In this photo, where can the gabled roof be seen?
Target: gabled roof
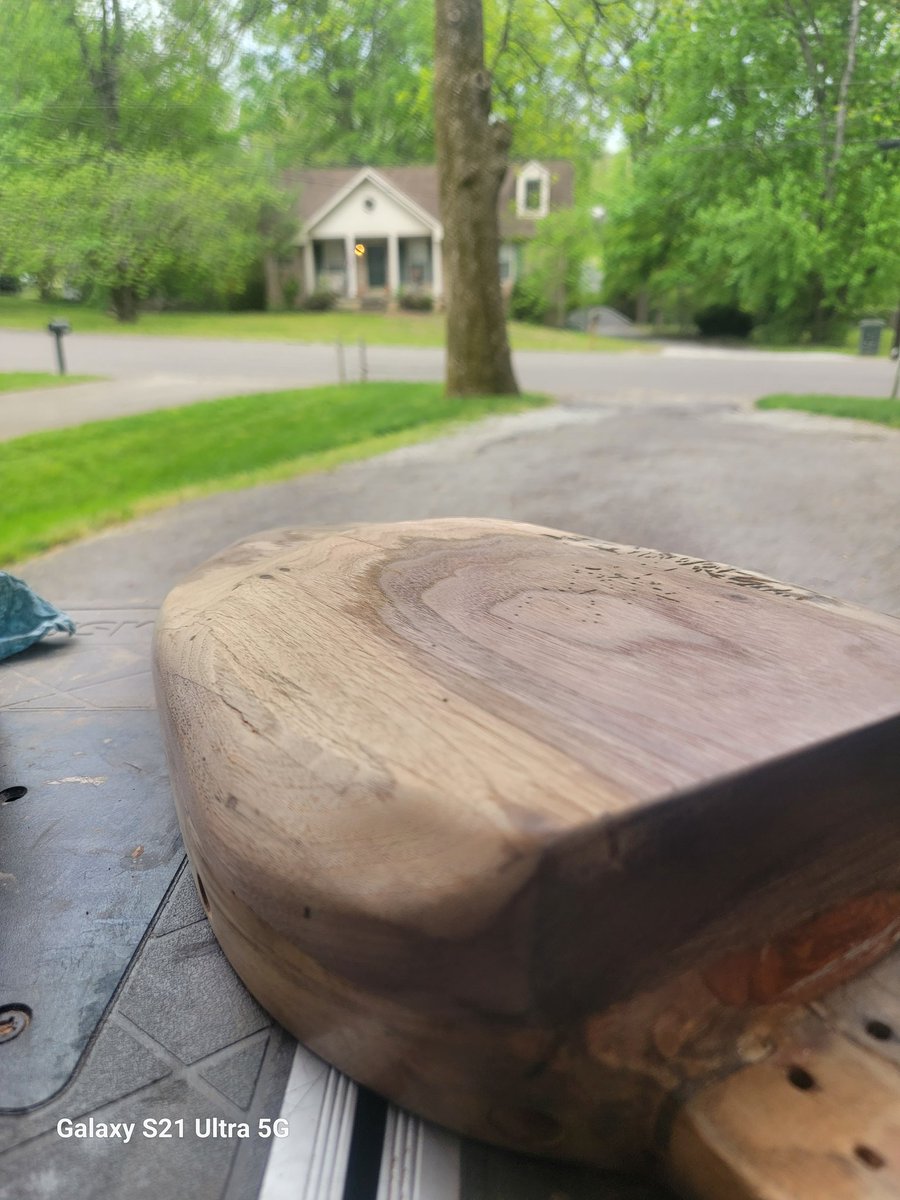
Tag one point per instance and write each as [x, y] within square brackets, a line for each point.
[383, 183]
[321, 188]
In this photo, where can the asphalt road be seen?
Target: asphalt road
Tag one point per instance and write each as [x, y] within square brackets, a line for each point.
[151, 372]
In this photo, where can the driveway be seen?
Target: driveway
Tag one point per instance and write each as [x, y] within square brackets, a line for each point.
[807, 499]
[150, 372]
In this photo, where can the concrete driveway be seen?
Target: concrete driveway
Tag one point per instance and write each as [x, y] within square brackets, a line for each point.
[150, 372]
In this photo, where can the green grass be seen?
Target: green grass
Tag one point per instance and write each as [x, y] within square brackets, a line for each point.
[378, 329]
[23, 381]
[859, 408]
[849, 344]
[65, 483]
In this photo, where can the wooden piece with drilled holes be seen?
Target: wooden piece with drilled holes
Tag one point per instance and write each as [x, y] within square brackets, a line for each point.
[548, 839]
[819, 1116]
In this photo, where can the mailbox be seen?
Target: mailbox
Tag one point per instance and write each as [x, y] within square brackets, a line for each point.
[58, 327]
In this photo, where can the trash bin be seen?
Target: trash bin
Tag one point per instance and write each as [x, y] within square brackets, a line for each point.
[870, 335]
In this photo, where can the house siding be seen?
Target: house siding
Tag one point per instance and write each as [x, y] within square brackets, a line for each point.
[352, 217]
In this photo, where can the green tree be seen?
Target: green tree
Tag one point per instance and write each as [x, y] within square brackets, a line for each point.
[554, 261]
[351, 81]
[752, 174]
[340, 81]
[120, 162]
[127, 222]
[549, 68]
[130, 75]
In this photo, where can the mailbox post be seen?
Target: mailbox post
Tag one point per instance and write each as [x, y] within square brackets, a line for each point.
[58, 327]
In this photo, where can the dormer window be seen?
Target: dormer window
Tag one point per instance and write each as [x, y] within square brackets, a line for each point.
[533, 191]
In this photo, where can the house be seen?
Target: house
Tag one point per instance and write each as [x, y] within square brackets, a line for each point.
[367, 234]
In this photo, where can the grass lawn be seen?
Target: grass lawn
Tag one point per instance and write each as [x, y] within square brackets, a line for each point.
[848, 345]
[860, 408]
[65, 483]
[23, 381]
[378, 329]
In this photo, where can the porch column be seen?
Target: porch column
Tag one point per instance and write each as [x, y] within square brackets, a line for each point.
[350, 258]
[437, 269]
[393, 264]
[309, 268]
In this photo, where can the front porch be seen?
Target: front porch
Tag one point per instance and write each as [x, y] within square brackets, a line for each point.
[366, 271]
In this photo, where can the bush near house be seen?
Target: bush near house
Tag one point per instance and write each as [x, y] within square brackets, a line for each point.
[320, 301]
[416, 302]
[528, 302]
[290, 290]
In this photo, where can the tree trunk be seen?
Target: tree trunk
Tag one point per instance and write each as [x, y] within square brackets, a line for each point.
[46, 285]
[274, 288]
[472, 161]
[124, 302]
[642, 308]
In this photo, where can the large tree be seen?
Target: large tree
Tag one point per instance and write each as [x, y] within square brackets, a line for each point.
[339, 82]
[472, 153]
[130, 74]
[120, 165]
[128, 223]
[753, 176]
[351, 81]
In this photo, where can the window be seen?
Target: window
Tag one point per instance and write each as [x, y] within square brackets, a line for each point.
[533, 197]
[533, 191]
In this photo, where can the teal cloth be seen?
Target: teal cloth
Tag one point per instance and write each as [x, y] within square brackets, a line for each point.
[25, 618]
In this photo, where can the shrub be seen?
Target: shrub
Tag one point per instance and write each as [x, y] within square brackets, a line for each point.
[252, 296]
[416, 301]
[724, 320]
[289, 290]
[320, 301]
[526, 304]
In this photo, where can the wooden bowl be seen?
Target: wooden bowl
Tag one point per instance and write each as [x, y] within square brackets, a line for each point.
[570, 846]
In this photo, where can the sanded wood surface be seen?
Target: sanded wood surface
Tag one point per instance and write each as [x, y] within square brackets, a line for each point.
[529, 831]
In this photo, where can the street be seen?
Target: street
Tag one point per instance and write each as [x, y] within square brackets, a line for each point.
[150, 372]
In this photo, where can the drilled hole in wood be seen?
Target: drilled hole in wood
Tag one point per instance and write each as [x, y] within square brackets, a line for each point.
[7, 795]
[204, 899]
[880, 1031]
[801, 1078]
[868, 1156]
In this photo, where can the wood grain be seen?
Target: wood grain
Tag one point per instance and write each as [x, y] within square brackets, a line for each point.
[531, 832]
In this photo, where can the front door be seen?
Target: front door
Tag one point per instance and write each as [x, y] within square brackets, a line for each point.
[376, 265]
